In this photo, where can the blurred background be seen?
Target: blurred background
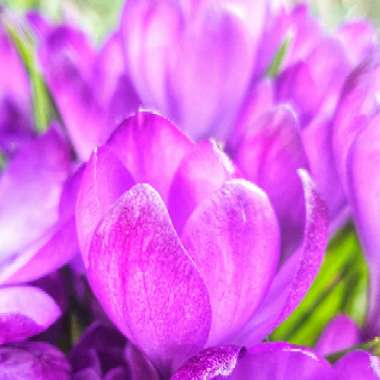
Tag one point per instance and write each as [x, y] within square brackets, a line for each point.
[98, 16]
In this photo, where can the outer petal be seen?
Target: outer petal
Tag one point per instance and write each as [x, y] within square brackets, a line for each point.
[30, 189]
[210, 364]
[269, 155]
[357, 105]
[358, 365]
[151, 147]
[364, 185]
[340, 334]
[296, 275]
[155, 294]
[202, 171]
[139, 365]
[25, 311]
[104, 179]
[160, 36]
[33, 361]
[233, 239]
[281, 361]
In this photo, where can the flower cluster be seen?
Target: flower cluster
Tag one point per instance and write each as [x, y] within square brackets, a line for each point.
[178, 207]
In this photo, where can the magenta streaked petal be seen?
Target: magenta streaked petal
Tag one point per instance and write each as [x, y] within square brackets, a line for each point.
[25, 311]
[33, 361]
[151, 148]
[298, 272]
[358, 365]
[340, 334]
[233, 239]
[155, 295]
[210, 364]
[281, 361]
[202, 171]
[104, 179]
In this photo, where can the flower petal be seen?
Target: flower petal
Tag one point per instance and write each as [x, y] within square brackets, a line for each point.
[297, 273]
[33, 361]
[210, 363]
[340, 334]
[155, 295]
[269, 155]
[233, 239]
[139, 365]
[358, 365]
[363, 186]
[202, 171]
[30, 189]
[25, 311]
[104, 179]
[281, 361]
[151, 148]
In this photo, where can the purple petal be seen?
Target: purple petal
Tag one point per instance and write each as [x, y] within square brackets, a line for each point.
[297, 274]
[202, 171]
[359, 39]
[30, 190]
[139, 365]
[358, 365]
[269, 155]
[340, 334]
[119, 373]
[87, 374]
[141, 139]
[25, 311]
[155, 296]
[210, 363]
[160, 36]
[316, 138]
[233, 239]
[33, 361]
[104, 180]
[357, 105]
[281, 361]
[364, 185]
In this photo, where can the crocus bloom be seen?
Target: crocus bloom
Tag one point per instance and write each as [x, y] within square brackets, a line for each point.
[171, 241]
[276, 361]
[90, 88]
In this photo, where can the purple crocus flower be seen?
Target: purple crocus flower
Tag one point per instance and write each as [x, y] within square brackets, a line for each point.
[90, 88]
[172, 240]
[275, 361]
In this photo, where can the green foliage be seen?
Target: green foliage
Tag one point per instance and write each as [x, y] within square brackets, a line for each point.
[340, 287]
[42, 106]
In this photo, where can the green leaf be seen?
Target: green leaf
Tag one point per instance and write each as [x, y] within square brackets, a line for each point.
[42, 107]
[275, 67]
[340, 287]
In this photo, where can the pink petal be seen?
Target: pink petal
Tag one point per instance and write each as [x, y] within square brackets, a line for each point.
[202, 171]
[363, 186]
[151, 148]
[210, 364]
[104, 180]
[269, 155]
[25, 311]
[233, 239]
[358, 365]
[297, 274]
[340, 334]
[155, 295]
[281, 361]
